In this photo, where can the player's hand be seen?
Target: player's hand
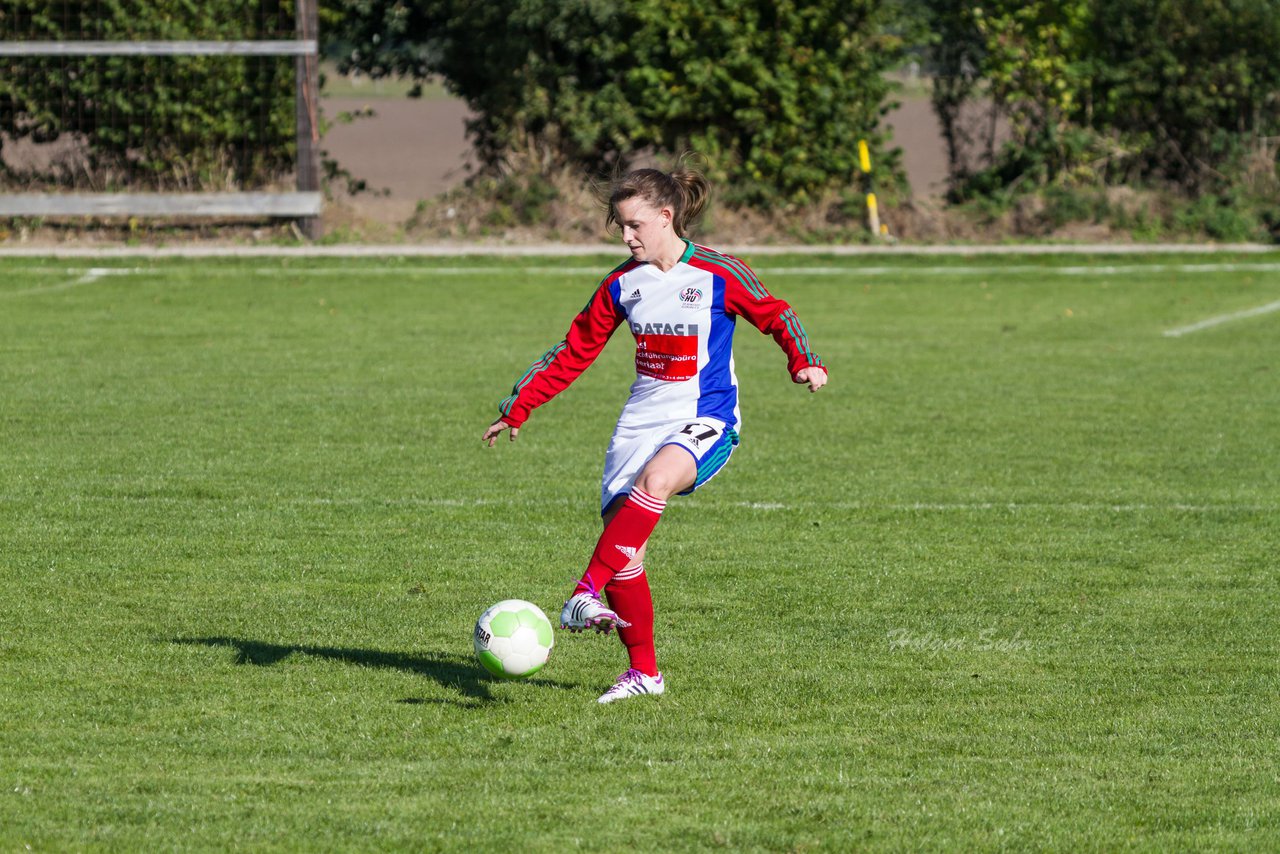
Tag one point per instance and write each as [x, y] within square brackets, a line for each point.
[816, 377]
[491, 434]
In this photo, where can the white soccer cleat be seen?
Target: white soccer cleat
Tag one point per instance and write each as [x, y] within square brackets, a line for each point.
[633, 683]
[584, 611]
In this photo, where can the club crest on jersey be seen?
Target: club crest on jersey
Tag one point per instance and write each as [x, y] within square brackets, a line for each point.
[690, 297]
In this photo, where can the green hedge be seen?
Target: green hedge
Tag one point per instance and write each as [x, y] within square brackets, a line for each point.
[1187, 82]
[1172, 91]
[776, 95]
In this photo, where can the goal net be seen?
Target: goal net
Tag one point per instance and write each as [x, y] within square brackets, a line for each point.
[158, 107]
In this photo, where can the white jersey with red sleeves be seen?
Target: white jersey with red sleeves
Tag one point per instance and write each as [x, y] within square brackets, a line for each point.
[683, 322]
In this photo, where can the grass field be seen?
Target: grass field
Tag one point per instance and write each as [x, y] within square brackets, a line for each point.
[1009, 582]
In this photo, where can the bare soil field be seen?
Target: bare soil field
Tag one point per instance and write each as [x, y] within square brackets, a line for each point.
[408, 149]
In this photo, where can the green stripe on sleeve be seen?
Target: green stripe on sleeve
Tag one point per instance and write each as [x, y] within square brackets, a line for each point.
[800, 336]
[745, 275]
[538, 367]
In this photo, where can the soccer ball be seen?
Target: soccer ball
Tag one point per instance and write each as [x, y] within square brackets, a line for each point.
[513, 639]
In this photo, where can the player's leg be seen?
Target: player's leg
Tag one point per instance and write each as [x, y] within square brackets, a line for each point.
[671, 470]
[628, 527]
[628, 451]
[630, 598]
[628, 591]
[685, 458]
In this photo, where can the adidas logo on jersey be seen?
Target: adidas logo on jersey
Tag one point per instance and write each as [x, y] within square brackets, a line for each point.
[635, 294]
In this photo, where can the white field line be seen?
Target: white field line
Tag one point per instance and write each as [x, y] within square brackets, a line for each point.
[357, 272]
[1023, 269]
[762, 506]
[1015, 507]
[569, 250]
[766, 271]
[1223, 318]
[87, 277]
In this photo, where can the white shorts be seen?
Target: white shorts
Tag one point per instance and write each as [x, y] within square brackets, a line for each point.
[708, 440]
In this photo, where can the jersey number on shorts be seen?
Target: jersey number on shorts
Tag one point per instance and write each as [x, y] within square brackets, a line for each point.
[699, 438]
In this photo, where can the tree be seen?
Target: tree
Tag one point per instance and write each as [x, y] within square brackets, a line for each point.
[775, 94]
[1190, 81]
[1168, 90]
[955, 51]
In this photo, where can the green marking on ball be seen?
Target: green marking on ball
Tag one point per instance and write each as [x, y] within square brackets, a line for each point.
[539, 624]
[511, 636]
[491, 663]
[504, 625]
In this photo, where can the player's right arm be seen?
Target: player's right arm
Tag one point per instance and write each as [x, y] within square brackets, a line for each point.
[562, 364]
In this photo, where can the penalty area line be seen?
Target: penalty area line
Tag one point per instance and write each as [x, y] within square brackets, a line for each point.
[89, 276]
[1220, 319]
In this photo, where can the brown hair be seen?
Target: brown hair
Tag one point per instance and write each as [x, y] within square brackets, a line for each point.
[685, 190]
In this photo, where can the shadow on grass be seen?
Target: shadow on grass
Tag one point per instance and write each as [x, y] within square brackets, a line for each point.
[460, 673]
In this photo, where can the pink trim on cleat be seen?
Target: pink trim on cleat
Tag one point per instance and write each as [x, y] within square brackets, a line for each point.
[584, 611]
[633, 683]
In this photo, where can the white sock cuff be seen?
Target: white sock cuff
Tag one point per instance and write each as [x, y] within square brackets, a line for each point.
[629, 574]
[647, 501]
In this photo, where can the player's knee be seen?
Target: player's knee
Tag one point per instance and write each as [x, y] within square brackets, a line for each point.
[659, 482]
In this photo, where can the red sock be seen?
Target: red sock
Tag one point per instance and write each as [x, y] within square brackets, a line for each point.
[629, 595]
[623, 537]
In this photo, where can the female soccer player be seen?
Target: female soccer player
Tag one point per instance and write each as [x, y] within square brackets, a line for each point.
[680, 424]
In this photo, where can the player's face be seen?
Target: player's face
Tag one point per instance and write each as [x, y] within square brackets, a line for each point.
[646, 229]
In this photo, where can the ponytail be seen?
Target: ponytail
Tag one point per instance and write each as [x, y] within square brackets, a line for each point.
[695, 191]
[685, 190]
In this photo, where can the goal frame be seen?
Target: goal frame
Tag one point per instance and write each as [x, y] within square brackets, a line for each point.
[303, 205]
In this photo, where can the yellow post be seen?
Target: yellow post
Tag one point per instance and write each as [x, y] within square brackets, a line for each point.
[873, 211]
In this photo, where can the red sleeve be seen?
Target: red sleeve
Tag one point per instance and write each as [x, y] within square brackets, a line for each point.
[562, 364]
[746, 296]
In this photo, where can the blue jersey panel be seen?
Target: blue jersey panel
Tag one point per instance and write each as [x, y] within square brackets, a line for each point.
[615, 293]
[719, 394]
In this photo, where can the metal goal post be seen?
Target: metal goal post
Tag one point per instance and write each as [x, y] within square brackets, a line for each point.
[304, 204]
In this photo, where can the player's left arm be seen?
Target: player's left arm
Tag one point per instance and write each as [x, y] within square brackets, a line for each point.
[747, 297]
[814, 375]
